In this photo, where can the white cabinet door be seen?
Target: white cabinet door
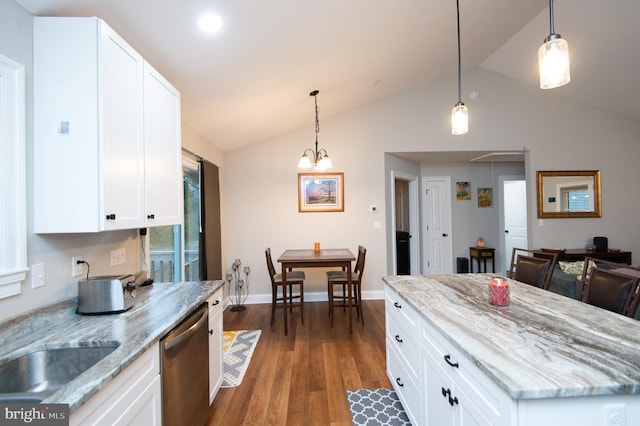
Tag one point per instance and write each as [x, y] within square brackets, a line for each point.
[436, 390]
[162, 156]
[87, 127]
[121, 91]
[216, 365]
[133, 397]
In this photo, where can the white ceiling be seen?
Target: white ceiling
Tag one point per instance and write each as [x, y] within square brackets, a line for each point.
[251, 81]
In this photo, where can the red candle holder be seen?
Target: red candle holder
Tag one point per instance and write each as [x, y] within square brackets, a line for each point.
[499, 292]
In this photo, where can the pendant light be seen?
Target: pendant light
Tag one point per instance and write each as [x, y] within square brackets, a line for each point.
[553, 58]
[459, 113]
[321, 159]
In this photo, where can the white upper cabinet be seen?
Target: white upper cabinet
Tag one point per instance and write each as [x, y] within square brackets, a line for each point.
[92, 119]
[162, 150]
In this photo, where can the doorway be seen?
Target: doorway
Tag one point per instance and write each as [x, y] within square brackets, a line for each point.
[405, 220]
[438, 237]
[514, 215]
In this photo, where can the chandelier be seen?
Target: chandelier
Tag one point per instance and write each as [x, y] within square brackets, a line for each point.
[321, 159]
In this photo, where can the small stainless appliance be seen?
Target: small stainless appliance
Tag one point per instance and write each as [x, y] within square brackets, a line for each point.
[106, 294]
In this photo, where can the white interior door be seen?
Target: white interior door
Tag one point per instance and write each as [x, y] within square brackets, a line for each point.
[515, 216]
[438, 238]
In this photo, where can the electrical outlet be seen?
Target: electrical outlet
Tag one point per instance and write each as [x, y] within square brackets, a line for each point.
[117, 256]
[37, 275]
[615, 415]
[76, 268]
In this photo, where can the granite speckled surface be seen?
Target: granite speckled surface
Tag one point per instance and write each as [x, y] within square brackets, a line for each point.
[158, 308]
[542, 345]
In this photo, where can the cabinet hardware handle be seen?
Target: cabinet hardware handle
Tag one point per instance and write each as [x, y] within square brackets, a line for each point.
[215, 303]
[211, 332]
[151, 216]
[398, 339]
[397, 305]
[453, 401]
[453, 364]
[399, 382]
[111, 216]
[445, 235]
[447, 394]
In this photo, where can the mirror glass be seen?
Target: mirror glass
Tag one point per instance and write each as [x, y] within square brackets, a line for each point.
[569, 194]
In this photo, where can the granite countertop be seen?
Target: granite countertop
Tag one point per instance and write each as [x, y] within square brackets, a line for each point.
[158, 309]
[542, 345]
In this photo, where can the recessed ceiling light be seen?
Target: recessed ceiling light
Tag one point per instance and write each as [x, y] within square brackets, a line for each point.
[210, 23]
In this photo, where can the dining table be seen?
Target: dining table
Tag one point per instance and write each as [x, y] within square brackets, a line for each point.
[311, 258]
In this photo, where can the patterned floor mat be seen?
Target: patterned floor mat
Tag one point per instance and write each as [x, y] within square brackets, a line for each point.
[376, 407]
[237, 349]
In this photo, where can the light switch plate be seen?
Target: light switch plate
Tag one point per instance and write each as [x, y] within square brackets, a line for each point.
[37, 275]
[118, 256]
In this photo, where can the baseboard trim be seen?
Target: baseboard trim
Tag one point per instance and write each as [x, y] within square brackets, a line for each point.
[320, 296]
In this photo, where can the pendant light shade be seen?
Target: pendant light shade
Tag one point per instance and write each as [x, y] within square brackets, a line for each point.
[459, 113]
[553, 58]
[459, 119]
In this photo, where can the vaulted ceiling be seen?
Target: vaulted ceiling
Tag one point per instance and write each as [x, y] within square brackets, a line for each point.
[251, 80]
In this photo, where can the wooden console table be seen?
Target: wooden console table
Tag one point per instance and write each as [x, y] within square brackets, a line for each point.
[573, 255]
[482, 254]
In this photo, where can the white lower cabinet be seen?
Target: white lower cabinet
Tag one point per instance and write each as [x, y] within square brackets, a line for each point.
[436, 384]
[216, 365]
[403, 354]
[131, 398]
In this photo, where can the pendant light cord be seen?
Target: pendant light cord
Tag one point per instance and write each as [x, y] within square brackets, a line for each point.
[315, 97]
[459, 60]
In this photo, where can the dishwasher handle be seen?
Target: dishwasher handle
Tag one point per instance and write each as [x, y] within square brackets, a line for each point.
[185, 334]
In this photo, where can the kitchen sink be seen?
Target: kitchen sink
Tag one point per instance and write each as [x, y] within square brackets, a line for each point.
[34, 376]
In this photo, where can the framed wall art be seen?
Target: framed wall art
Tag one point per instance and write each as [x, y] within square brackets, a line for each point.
[485, 197]
[463, 191]
[320, 192]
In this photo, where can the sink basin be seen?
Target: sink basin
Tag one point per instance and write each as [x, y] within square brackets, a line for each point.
[36, 375]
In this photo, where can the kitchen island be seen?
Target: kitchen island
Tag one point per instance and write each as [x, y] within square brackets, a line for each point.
[543, 359]
[157, 309]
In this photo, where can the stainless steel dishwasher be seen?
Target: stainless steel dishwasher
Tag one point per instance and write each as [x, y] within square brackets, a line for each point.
[185, 371]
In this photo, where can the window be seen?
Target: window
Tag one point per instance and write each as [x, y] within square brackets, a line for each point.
[13, 214]
[165, 242]
[575, 199]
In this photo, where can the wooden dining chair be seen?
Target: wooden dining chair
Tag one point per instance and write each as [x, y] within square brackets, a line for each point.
[536, 267]
[340, 278]
[294, 278]
[612, 290]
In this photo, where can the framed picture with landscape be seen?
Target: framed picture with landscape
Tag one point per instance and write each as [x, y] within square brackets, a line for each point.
[320, 192]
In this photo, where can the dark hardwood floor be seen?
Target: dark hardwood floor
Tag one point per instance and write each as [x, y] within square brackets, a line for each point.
[302, 378]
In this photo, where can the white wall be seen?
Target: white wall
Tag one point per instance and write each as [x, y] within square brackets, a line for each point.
[261, 191]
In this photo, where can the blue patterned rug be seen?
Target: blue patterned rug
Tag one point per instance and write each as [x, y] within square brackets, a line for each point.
[375, 407]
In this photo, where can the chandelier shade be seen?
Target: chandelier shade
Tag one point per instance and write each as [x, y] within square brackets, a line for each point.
[553, 58]
[318, 159]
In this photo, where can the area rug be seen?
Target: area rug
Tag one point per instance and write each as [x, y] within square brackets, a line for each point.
[376, 407]
[237, 349]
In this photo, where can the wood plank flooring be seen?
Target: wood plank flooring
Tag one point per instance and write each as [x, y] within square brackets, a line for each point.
[302, 378]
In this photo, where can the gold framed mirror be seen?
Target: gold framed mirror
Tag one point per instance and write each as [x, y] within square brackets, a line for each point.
[569, 194]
